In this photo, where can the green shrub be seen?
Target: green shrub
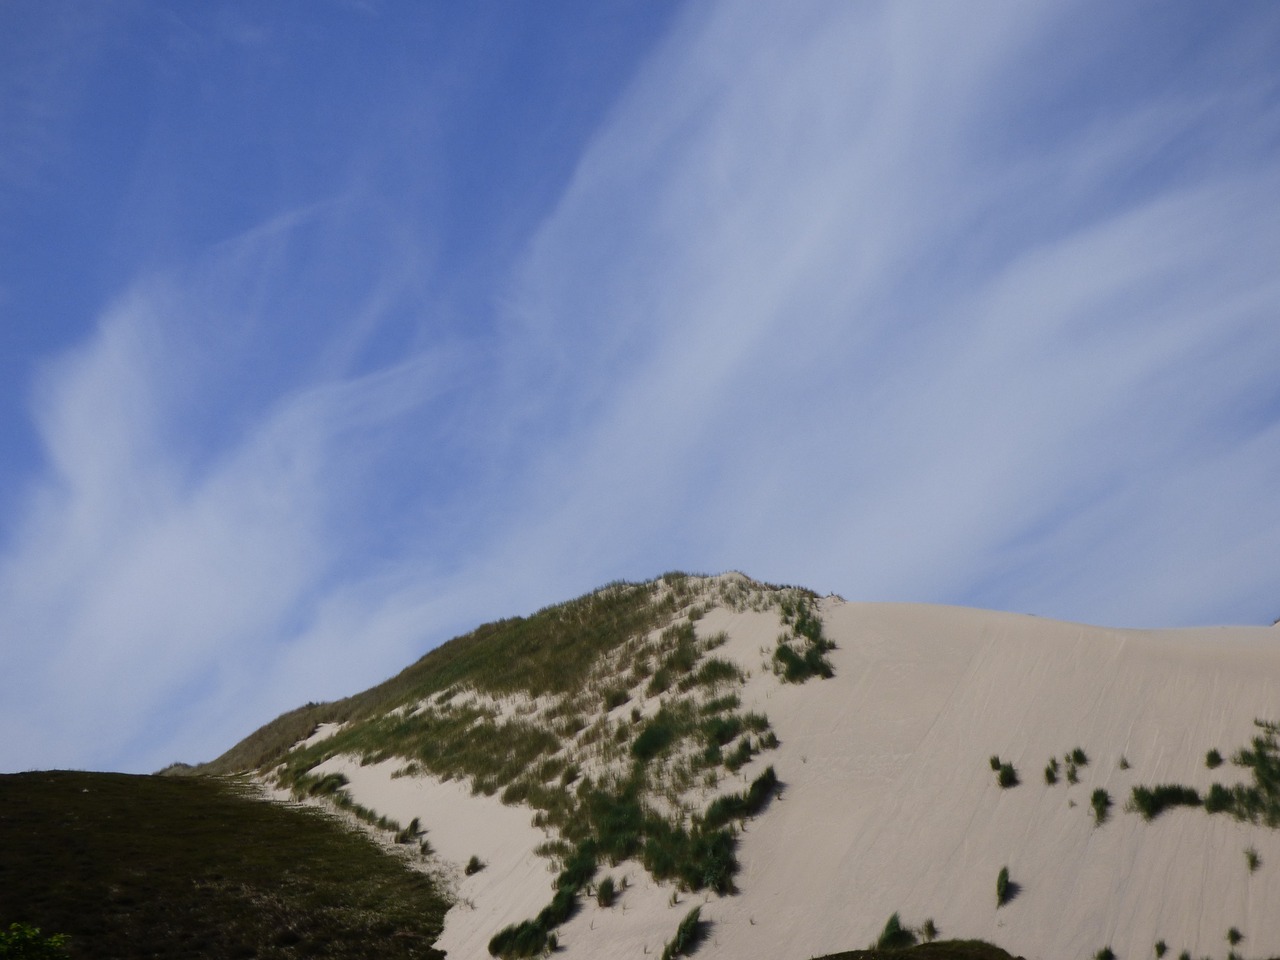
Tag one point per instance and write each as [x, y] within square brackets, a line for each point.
[688, 935]
[1106, 953]
[895, 936]
[721, 704]
[1079, 757]
[1101, 802]
[474, 865]
[738, 806]
[806, 630]
[327, 785]
[1213, 759]
[740, 756]
[720, 730]
[25, 942]
[1234, 936]
[1161, 948]
[658, 734]
[712, 672]
[1258, 801]
[929, 931]
[606, 892]
[1005, 888]
[1007, 777]
[533, 937]
[1051, 774]
[1153, 801]
[1252, 859]
[1217, 799]
[525, 939]
[995, 763]
[615, 697]
[1123, 763]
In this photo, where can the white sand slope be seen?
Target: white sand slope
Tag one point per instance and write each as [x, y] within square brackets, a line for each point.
[890, 804]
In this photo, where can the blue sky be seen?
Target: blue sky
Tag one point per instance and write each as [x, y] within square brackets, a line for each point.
[331, 330]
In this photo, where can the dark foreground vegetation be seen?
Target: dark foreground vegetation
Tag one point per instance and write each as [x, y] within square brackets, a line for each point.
[130, 866]
[938, 950]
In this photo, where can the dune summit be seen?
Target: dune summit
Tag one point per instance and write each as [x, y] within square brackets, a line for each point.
[801, 769]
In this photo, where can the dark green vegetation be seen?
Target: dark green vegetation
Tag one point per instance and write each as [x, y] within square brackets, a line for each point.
[1153, 801]
[1076, 759]
[1101, 803]
[25, 942]
[533, 937]
[1006, 889]
[194, 867]
[936, 950]
[691, 932]
[1259, 801]
[1007, 776]
[606, 892]
[895, 936]
[802, 651]
[618, 826]
[1213, 759]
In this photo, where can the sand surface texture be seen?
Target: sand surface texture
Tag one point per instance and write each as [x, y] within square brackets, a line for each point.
[890, 804]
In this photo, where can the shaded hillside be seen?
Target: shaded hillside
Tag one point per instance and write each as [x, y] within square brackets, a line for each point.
[132, 866]
[939, 950]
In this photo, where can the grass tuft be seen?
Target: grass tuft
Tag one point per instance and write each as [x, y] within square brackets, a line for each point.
[1101, 803]
[895, 936]
[691, 932]
[1006, 889]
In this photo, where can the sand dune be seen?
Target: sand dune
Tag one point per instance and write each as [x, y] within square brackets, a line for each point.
[890, 803]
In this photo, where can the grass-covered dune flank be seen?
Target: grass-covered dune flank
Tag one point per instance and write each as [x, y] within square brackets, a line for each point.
[547, 652]
[130, 866]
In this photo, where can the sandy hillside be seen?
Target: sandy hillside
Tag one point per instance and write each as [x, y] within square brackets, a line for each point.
[890, 803]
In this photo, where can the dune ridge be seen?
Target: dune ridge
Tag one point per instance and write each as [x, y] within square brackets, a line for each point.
[889, 804]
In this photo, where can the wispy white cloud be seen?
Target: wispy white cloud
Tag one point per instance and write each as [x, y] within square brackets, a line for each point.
[840, 337]
[139, 570]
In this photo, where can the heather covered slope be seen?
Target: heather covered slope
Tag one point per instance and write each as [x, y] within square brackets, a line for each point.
[801, 769]
[129, 866]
